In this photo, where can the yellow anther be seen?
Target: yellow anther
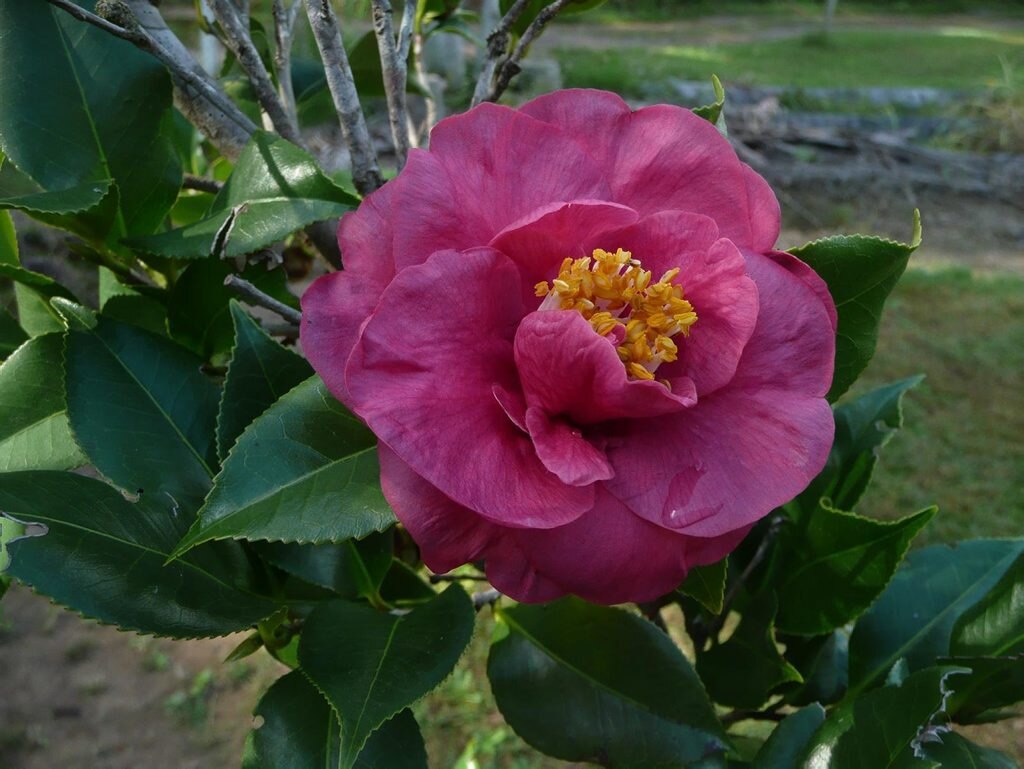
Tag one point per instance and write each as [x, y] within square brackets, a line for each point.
[612, 290]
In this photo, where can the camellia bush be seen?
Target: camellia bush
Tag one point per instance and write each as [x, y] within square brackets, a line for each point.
[559, 351]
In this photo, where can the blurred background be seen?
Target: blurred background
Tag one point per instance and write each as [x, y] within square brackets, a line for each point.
[857, 113]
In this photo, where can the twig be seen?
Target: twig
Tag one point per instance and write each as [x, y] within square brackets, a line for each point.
[435, 578]
[485, 598]
[365, 170]
[510, 66]
[193, 182]
[238, 40]
[284, 27]
[762, 550]
[433, 112]
[131, 35]
[497, 46]
[253, 295]
[394, 72]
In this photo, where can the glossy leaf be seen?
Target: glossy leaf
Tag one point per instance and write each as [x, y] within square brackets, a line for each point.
[12, 335]
[914, 617]
[860, 272]
[993, 684]
[994, 626]
[142, 410]
[351, 569]
[103, 556]
[863, 427]
[372, 665]
[200, 317]
[137, 310]
[790, 740]
[591, 683]
[835, 564]
[34, 291]
[300, 731]
[318, 482]
[823, 662]
[99, 102]
[706, 585]
[402, 586]
[275, 189]
[260, 372]
[748, 668]
[34, 429]
[887, 725]
[953, 751]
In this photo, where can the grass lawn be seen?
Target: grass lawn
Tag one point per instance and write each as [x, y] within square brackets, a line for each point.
[948, 57]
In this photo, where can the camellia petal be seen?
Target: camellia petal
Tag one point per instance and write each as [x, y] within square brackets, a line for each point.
[422, 376]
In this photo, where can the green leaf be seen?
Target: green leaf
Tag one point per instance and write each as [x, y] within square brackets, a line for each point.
[260, 372]
[993, 684]
[863, 427]
[142, 411]
[103, 556]
[8, 240]
[823, 662]
[747, 669]
[860, 272]
[200, 317]
[713, 112]
[790, 740]
[34, 429]
[371, 665]
[318, 482]
[12, 336]
[835, 564]
[889, 723]
[402, 586]
[137, 310]
[275, 189]
[98, 101]
[706, 585]
[954, 751]
[591, 683]
[34, 291]
[9, 531]
[994, 626]
[352, 569]
[300, 731]
[915, 616]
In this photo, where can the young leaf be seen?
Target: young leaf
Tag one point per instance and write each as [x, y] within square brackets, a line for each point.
[300, 731]
[863, 427]
[275, 189]
[790, 740]
[99, 102]
[591, 683]
[860, 272]
[834, 564]
[318, 482]
[747, 669]
[371, 665]
[260, 372]
[103, 556]
[34, 429]
[915, 616]
[142, 410]
[706, 585]
[713, 112]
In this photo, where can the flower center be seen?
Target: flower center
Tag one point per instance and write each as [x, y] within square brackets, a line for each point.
[613, 292]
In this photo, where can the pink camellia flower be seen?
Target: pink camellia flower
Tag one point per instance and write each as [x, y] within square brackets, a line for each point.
[585, 363]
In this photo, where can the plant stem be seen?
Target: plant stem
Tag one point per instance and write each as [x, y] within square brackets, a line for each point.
[253, 295]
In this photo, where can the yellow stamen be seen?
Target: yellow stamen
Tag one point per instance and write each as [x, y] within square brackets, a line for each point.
[612, 290]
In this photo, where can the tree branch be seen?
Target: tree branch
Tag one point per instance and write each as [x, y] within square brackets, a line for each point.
[365, 170]
[253, 295]
[395, 72]
[497, 46]
[284, 27]
[201, 183]
[510, 66]
[238, 40]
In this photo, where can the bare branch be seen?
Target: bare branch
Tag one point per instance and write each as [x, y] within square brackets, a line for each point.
[497, 47]
[200, 183]
[238, 40]
[253, 295]
[365, 170]
[405, 31]
[284, 27]
[510, 66]
[395, 73]
[131, 35]
[433, 109]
